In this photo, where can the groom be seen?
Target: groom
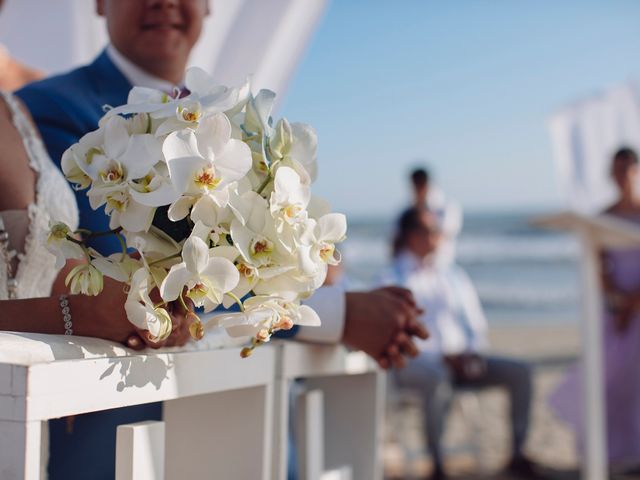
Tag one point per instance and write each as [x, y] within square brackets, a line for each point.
[150, 45]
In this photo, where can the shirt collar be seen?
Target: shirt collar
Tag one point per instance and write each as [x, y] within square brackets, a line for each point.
[408, 262]
[137, 76]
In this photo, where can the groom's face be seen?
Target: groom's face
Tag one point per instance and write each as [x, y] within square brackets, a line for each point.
[153, 32]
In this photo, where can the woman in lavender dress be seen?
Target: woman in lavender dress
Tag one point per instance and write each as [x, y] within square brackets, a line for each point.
[621, 334]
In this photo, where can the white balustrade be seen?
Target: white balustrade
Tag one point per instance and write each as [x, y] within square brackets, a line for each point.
[224, 417]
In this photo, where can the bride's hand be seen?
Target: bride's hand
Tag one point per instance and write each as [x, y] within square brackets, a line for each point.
[104, 316]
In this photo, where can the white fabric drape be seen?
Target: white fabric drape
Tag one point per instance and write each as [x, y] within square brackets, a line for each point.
[585, 135]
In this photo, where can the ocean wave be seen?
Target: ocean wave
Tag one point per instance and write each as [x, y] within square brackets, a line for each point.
[474, 249]
[481, 249]
[500, 295]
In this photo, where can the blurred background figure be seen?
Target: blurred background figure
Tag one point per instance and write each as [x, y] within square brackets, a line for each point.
[621, 284]
[430, 197]
[14, 74]
[455, 354]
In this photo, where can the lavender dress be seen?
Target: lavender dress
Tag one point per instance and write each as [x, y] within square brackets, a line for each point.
[621, 373]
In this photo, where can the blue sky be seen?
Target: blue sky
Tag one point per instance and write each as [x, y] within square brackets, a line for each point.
[466, 86]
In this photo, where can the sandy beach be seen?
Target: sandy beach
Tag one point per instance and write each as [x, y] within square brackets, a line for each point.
[478, 438]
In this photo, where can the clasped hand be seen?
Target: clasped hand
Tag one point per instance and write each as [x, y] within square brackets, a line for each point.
[383, 324]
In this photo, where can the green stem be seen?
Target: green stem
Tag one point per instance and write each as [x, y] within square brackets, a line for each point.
[90, 234]
[160, 260]
[87, 255]
[184, 304]
[264, 184]
[237, 300]
[123, 245]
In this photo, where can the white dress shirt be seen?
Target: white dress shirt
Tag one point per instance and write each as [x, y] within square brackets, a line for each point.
[449, 216]
[136, 75]
[453, 313]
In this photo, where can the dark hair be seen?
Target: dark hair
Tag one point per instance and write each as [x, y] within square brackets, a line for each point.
[410, 221]
[420, 177]
[626, 154]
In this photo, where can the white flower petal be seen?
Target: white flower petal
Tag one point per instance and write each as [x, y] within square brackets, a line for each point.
[333, 227]
[174, 282]
[195, 254]
[308, 317]
[142, 153]
[165, 195]
[180, 144]
[222, 273]
[180, 208]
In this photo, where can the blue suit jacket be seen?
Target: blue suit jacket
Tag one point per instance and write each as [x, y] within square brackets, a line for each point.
[66, 107]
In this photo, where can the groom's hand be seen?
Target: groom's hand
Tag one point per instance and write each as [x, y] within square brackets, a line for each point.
[382, 323]
[179, 329]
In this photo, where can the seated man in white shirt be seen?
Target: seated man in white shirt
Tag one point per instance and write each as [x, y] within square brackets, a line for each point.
[453, 355]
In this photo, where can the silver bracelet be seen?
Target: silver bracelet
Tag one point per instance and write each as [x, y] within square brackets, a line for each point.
[66, 314]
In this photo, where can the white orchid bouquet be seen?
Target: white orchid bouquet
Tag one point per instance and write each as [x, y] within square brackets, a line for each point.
[214, 196]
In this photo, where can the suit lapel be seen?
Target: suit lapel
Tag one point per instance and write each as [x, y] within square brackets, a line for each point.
[109, 83]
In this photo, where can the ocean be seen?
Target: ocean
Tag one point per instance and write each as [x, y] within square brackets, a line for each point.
[523, 274]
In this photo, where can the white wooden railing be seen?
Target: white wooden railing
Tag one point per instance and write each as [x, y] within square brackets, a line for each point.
[212, 399]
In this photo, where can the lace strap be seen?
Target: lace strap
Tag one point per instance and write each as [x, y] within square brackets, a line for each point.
[30, 137]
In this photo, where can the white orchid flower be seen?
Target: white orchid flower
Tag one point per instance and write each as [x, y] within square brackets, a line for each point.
[115, 266]
[217, 218]
[289, 198]
[211, 97]
[258, 113]
[59, 244]
[85, 279]
[153, 243]
[206, 161]
[122, 169]
[141, 311]
[254, 234]
[317, 246]
[303, 152]
[264, 315]
[206, 278]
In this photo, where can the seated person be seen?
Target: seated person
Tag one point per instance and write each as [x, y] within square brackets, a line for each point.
[453, 355]
[427, 196]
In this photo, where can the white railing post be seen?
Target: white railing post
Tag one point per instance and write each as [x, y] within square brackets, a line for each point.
[21, 455]
[140, 451]
[595, 461]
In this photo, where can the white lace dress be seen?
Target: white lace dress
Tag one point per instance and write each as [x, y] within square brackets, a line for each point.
[34, 269]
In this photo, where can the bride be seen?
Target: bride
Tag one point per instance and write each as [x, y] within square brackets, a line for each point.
[32, 290]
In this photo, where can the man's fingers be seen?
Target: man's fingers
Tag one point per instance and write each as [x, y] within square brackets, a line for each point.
[384, 363]
[149, 340]
[403, 293]
[406, 345]
[417, 329]
[399, 362]
[134, 342]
